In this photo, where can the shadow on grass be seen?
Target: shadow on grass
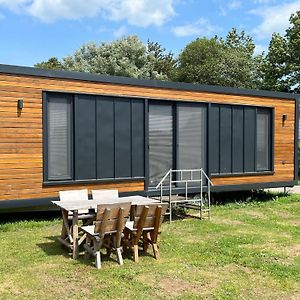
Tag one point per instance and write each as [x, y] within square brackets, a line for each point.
[245, 197]
[29, 216]
[53, 247]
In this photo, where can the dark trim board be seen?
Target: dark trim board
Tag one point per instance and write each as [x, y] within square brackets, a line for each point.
[44, 204]
[227, 188]
[296, 166]
[41, 204]
[22, 70]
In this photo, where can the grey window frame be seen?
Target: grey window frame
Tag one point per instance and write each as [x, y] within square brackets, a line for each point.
[46, 140]
[271, 146]
[69, 181]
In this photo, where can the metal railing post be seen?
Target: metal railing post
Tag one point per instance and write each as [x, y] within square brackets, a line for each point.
[170, 195]
[208, 183]
[201, 193]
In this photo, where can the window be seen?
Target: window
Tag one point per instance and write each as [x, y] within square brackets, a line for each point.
[90, 137]
[263, 138]
[59, 138]
[240, 139]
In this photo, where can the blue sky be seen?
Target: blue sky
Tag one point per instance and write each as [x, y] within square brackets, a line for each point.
[34, 30]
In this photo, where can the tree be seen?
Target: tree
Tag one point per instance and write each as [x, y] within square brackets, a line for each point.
[275, 64]
[163, 62]
[282, 63]
[199, 61]
[227, 62]
[52, 63]
[128, 57]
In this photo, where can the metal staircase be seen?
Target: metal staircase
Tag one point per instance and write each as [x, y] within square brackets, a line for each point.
[186, 178]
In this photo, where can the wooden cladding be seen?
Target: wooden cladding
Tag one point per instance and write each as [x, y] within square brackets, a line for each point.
[21, 137]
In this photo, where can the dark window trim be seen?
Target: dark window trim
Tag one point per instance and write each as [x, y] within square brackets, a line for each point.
[91, 181]
[146, 132]
[72, 181]
[258, 173]
[45, 135]
[45, 138]
[296, 137]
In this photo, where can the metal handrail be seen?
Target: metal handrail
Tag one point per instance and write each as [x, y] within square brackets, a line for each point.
[163, 179]
[185, 181]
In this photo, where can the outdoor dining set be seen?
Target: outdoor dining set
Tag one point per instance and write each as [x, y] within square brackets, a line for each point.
[109, 222]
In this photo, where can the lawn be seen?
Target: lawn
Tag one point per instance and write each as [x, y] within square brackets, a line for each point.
[247, 251]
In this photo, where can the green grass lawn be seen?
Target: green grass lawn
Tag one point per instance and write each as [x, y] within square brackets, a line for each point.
[247, 251]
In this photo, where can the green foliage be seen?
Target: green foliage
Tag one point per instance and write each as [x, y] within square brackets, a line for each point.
[226, 61]
[127, 56]
[163, 62]
[52, 63]
[282, 63]
[216, 61]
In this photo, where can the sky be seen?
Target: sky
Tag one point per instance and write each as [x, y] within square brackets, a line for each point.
[35, 30]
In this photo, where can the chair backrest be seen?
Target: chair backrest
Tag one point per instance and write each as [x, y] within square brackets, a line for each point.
[105, 194]
[148, 217]
[74, 195]
[111, 218]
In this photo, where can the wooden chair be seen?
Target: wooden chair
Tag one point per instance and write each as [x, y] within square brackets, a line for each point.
[145, 224]
[105, 194]
[106, 231]
[75, 195]
[66, 237]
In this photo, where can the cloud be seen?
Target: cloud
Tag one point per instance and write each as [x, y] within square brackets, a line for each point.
[200, 27]
[230, 5]
[274, 18]
[120, 32]
[142, 12]
[234, 4]
[136, 12]
[259, 49]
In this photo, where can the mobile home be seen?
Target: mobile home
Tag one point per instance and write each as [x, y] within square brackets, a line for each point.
[66, 130]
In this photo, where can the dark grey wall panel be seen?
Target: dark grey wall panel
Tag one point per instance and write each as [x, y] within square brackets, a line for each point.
[138, 138]
[225, 139]
[84, 138]
[214, 138]
[249, 138]
[105, 138]
[122, 138]
[237, 139]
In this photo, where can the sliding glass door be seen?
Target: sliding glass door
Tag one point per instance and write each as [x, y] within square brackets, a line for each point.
[160, 141]
[191, 137]
[178, 147]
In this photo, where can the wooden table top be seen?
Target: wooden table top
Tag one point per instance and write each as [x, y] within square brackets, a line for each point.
[92, 204]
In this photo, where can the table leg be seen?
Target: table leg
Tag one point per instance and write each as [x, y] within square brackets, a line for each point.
[75, 234]
[63, 228]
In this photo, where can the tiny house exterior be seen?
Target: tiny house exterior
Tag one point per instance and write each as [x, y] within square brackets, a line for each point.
[67, 130]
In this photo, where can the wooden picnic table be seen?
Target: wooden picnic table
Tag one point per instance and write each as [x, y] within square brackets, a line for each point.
[73, 207]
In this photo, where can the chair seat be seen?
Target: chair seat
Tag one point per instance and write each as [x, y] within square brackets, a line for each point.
[90, 229]
[129, 226]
